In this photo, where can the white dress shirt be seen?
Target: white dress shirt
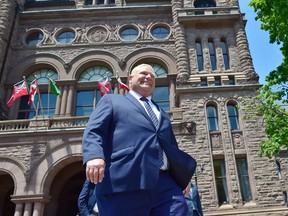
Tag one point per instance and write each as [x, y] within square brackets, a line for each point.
[157, 112]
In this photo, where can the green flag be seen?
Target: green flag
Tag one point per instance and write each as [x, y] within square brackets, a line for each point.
[53, 88]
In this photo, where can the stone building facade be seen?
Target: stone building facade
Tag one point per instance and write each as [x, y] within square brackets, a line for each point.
[205, 76]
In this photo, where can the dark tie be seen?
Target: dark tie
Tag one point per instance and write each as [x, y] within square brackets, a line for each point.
[155, 122]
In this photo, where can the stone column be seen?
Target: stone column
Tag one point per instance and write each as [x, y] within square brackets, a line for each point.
[172, 94]
[180, 44]
[7, 21]
[64, 101]
[27, 209]
[38, 209]
[58, 103]
[18, 209]
[244, 54]
[69, 101]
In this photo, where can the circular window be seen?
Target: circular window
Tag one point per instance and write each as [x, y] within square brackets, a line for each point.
[34, 38]
[129, 34]
[66, 37]
[160, 32]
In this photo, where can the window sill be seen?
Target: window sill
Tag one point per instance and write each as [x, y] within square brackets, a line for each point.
[250, 205]
[226, 207]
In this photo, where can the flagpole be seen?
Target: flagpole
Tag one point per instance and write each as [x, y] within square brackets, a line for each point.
[35, 108]
[39, 99]
[49, 95]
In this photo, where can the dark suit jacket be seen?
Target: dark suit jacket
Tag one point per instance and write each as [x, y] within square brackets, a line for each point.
[87, 198]
[121, 132]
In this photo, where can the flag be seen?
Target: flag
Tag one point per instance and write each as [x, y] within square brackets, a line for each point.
[20, 89]
[53, 88]
[33, 91]
[122, 85]
[104, 87]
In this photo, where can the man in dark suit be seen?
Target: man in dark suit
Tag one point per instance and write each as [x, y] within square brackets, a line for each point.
[131, 153]
[87, 200]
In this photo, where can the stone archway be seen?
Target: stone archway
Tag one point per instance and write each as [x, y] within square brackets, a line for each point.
[64, 191]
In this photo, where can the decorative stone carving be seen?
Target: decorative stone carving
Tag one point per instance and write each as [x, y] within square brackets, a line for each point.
[216, 141]
[184, 128]
[237, 138]
[97, 34]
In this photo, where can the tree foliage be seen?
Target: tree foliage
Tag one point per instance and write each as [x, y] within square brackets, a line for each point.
[272, 96]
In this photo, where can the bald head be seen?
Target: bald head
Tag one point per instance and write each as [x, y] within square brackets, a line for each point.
[140, 68]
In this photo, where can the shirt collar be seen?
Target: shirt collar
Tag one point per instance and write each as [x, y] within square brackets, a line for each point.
[138, 96]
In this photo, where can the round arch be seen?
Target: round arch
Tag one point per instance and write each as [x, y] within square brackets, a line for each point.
[92, 58]
[159, 56]
[51, 164]
[35, 62]
[16, 171]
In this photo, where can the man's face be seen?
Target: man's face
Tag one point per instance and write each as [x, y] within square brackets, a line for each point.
[143, 82]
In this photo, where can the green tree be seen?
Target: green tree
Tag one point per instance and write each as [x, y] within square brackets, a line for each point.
[272, 96]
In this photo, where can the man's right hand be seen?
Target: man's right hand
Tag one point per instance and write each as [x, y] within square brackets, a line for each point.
[95, 170]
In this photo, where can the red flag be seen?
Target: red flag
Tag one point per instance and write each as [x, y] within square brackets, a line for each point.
[33, 91]
[122, 85]
[20, 89]
[104, 87]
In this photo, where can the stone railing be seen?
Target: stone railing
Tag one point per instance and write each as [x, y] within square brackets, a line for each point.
[43, 123]
[188, 12]
[14, 125]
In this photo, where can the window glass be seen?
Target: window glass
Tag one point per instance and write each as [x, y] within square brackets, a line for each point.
[46, 106]
[212, 54]
[34, 38]
[221, 181]
[161, 97]
[96, 73]
[217, 81]
[89, 2]
[159, 70]
[86, 102]
[244, 180]
[212, 118]
[160, 32]
[233, 117]
[231, 80]
[225, 53]
[199, 55]
[204, 3]
[42, 76]
[129, 34]
[203, 82]
[99, 2]
[66, 37]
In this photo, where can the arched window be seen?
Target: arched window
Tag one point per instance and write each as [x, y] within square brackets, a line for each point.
[96, 73]
[204, 3]
[225, 53]
[44, 102]
[233, 116]
[212, 54]
[159, 70]
[161, 93]
[212, 118]
[86, 100]
[199, 53]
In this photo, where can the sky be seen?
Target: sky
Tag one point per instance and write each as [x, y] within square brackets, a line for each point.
[266, 57]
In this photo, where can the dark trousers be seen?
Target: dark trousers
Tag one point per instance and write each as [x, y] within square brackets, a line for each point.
[166, 199]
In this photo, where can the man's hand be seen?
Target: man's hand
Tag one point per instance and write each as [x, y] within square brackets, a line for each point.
[95, 170]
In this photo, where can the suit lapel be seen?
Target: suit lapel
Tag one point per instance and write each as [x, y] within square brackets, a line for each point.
[141, 108]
